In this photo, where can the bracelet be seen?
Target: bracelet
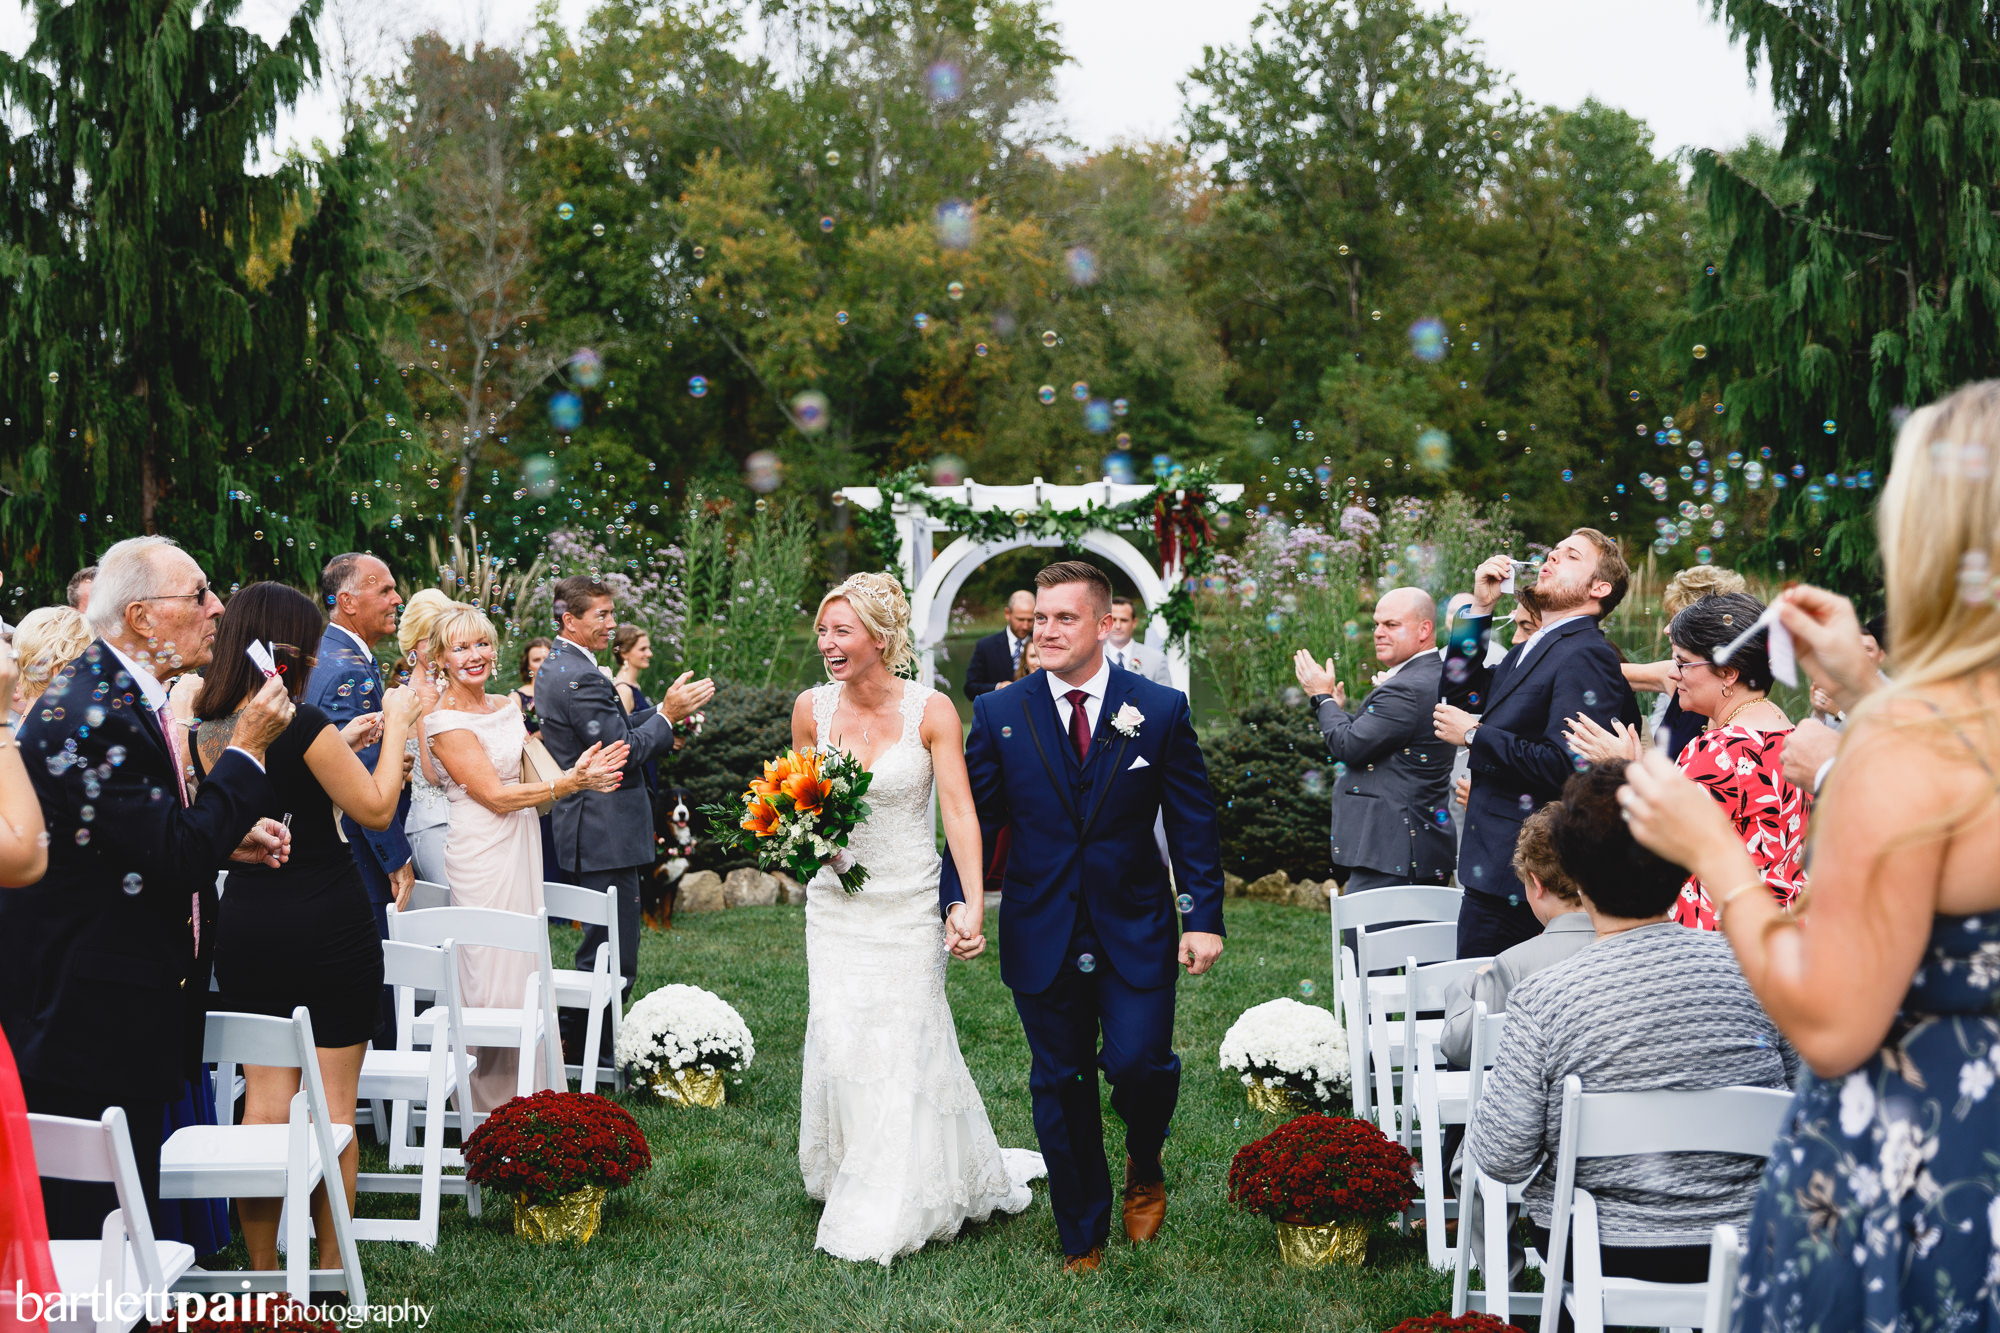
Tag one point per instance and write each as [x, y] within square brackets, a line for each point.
[1734, 894]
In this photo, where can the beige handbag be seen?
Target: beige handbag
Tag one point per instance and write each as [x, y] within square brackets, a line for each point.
[539, 769]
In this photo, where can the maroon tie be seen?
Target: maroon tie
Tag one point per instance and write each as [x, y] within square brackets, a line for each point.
[1079, 723]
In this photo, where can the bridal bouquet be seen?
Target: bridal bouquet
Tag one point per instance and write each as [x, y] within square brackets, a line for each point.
[1291, 1048]
[680, 1040]
[799, 814]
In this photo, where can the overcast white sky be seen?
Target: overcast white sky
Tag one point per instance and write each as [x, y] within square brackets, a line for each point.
[1665, 61]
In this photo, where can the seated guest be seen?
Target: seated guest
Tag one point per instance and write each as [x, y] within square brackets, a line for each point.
[1519, 756]
[996, 658]
[1566, 928]
[1389, 820]
[1682, 591]
[48, 639]
[1740, 757]
[1647, 1005]
[104, 964]
[302, 933]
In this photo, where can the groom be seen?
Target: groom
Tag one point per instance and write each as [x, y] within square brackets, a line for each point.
[1080, 760]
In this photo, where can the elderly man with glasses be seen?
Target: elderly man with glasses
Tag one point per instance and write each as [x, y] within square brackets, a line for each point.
[104, 965]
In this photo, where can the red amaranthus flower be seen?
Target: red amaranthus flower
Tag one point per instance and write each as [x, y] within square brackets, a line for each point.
[1320, 1168]
[545, 1146]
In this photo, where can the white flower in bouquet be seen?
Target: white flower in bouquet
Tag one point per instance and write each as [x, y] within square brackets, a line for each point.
[684, 1027]
[1298, 1046]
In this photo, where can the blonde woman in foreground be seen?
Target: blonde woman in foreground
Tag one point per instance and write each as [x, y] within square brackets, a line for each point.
[893, 1136]
[1880, 1208]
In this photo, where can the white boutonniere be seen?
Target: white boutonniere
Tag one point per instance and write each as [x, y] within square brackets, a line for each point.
[1127, 721]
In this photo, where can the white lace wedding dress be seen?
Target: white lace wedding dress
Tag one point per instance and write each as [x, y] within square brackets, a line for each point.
[892, 1133]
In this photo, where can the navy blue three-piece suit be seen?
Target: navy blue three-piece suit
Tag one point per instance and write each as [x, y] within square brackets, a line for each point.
[1090, 935]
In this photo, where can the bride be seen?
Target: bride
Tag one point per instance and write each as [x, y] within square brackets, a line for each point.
[892, 1133]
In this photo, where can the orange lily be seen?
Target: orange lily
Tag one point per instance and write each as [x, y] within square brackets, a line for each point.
[760, 819]
[775, 773]
[808, 790]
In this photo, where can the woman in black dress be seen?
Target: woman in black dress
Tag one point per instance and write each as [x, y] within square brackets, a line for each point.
[302, 933]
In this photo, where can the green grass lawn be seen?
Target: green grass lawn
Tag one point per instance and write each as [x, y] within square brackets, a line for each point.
[719, 1234]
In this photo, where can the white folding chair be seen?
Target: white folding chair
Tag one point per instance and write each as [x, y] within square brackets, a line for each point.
[125, 1263]
[426, 894]
[1725, 1255]
[1738, 1120]
[269, 1161]
[1434, 1097]
[1479, 1191]
[405, 1075]
[1386, 1044]
[530, 1024]
[601, 990]
[1354, 991]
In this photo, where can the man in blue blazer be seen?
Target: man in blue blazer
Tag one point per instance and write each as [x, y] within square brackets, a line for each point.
[1080, 758]
[360, 596]
[1518, 753]
[995, 657]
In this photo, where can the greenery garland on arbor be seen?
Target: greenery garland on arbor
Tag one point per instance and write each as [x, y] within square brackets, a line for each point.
[1175, 511]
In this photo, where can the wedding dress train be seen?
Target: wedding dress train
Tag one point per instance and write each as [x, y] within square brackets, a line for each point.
[893, 1135]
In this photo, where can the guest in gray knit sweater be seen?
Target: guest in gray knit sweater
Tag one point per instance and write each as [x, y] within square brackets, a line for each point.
[1649, 1004]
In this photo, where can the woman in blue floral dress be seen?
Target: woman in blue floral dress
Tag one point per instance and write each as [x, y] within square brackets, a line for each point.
[1880, 1207]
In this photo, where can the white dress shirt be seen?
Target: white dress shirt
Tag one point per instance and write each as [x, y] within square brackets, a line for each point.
[1543, 633]
[154, 696]
[1116, 655]
[1092, 706]
[366, 649]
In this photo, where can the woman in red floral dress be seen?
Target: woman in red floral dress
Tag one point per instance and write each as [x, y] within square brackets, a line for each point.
[1739, 757]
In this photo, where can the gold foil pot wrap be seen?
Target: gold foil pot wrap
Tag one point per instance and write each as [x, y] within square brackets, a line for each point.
[1275, 1099]
[1343, 1243]
[572, 1217]
[689, 1087]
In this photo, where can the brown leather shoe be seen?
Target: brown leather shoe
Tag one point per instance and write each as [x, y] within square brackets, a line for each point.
[1145, 1206]
[1083, 1263]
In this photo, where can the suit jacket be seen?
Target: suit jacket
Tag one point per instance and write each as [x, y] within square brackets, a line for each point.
[1518, 756]
[1085, 832]
[102, 985]
[579, 707]
[346, 683]
[1398, 777]
[992, 662]
[1567, 934]
[1145, 659]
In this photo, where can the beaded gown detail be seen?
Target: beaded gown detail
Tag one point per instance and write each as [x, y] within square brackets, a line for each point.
[893, 1135]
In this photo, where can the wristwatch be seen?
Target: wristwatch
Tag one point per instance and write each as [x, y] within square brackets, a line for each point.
[1319, 699]
[1470, 732]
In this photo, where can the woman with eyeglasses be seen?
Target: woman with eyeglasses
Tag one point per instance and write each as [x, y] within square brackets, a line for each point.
[301, 932]
[1739, 756]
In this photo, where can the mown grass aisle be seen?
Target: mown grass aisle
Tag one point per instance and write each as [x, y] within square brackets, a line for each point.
[718, 1235]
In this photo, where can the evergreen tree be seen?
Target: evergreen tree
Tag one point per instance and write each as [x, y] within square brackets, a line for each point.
[186, 347]
[1860, 274]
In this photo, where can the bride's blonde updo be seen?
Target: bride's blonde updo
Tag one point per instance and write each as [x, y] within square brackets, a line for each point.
[878, 603]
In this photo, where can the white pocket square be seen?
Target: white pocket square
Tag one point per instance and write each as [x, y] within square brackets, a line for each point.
[1138, 763]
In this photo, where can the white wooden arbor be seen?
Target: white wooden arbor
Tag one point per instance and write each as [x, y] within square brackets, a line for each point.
[938, 579]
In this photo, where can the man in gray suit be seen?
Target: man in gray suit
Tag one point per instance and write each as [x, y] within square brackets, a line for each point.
[1123, 650]
[604, 839]
[1390, 824]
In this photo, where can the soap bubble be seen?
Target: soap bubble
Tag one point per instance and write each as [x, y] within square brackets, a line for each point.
[761, 471]
[1312, 782]
[947, 470]
[979, 349]
[1049, 338]
[1274, 622]
[1118, 468]
[587, 368]
[955, 290]
[565, 411]
[565, 211]
[1703, 554]
[1306, 987]
[826, 224]
[1185, 902]
[1427, 340]
[700, 252]
[1700, 352]
[1047, 393]
[1082, 265]
[953, 224]
[946, 81]
[1097, 416]
[809, 409]
[597, 229]
[833, 157]
[1433, 451]
[698, 385]
[840, 316]
[921, 320]
[54, 376]
[133, 883]
[1086, 962]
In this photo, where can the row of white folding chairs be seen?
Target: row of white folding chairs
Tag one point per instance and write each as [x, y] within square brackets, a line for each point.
[598, 990]
[1376, 1057]
[1740, 1120]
